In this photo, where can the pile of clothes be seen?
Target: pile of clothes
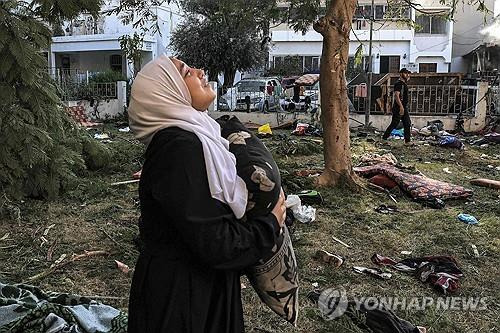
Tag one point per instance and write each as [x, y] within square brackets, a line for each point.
[27, 309]
[440, 271]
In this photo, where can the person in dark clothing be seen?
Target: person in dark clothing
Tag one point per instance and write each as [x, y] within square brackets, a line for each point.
[187, 277]
[400, 109]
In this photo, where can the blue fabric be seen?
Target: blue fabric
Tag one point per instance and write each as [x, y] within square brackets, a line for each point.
[469, 219]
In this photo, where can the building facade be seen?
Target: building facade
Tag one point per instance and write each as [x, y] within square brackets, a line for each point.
[395, 44]
[92, 45]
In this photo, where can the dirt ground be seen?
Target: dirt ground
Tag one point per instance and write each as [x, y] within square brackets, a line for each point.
[97, 216]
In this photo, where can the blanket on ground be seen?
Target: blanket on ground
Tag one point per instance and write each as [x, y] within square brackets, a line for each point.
[418, 187]
[28, 309]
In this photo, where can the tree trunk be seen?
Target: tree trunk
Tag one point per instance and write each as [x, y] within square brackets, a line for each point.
[229, 75]
[335, 28]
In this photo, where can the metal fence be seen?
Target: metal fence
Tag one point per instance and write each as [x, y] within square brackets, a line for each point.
[76, 91]
[425, 100]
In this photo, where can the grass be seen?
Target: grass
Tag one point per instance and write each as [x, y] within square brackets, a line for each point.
[97, 216]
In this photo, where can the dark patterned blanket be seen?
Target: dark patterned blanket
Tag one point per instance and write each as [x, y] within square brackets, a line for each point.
[418, 187]
[27, 309]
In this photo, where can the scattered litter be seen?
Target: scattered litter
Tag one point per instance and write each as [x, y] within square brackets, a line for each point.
[451, 142]
[371, 159]
[308, 173]
[265, 130]
[440, 271]
[124, 130]
[434, 203]
[243, 285]
[466, 218]
[474, 250]
[406, 253]
[137, 175]
[340, 242]
[376, 272]
[126, 182]
[101, 136]
[329, 258]
[490, 166]
[122, 267]
[46, 231]
[486, 183]
[310, 197]
[397, 133]
[315, 284]
[384, 209]
[304, 214]
[447, 170]
[484, 145]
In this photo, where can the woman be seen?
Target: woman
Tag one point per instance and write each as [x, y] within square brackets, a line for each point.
[187, 276]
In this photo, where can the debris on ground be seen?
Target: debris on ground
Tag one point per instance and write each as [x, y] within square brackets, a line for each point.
[303, 214]
[329, 258]
[441, 271]
[122, 267]
[376, 272]
[450, 141]
[55, 312]
[385, 209]
[264, 131]
[310, 197]
[371, 316]
[373, 158]
[466, 218]
[486, 183]
[420, 188]
[137, 175]
[340, 242]
[101, 136]
[124, 129]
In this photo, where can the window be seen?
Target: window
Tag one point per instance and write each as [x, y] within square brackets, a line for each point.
[434, 25]
[116, 62]
[278, 61]
[379, 12]
[389, 64]
[427, 68]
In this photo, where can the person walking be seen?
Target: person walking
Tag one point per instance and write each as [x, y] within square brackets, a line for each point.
[400, 109]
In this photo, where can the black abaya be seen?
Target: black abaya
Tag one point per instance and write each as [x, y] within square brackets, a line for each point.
[187, 277]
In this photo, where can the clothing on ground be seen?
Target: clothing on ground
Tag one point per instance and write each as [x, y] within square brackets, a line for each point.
[28, 309]
[440, 271]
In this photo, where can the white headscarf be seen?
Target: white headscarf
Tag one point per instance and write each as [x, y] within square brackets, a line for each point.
[161, 99]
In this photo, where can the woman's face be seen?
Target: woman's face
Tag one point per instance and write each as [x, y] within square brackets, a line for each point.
[201, 92]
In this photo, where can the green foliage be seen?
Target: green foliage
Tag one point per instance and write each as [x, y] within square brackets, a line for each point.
[132, 47]
[96, 155]
[107, 76]
[40, 154]
[291, 65]
[224, 36]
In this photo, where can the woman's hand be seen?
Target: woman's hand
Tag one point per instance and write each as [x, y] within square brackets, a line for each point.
[280, 210]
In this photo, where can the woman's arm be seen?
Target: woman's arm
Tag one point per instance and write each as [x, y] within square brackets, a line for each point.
[206, 225]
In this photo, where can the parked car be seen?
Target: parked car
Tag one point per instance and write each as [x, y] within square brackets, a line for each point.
[258, 94]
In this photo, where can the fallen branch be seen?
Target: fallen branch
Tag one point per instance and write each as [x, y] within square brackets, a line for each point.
[341, 242]
[126, 182]
[381, 189]
[74, 258]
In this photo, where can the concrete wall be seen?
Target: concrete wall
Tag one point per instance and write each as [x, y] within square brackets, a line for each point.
[105, 108]
[274, 118]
